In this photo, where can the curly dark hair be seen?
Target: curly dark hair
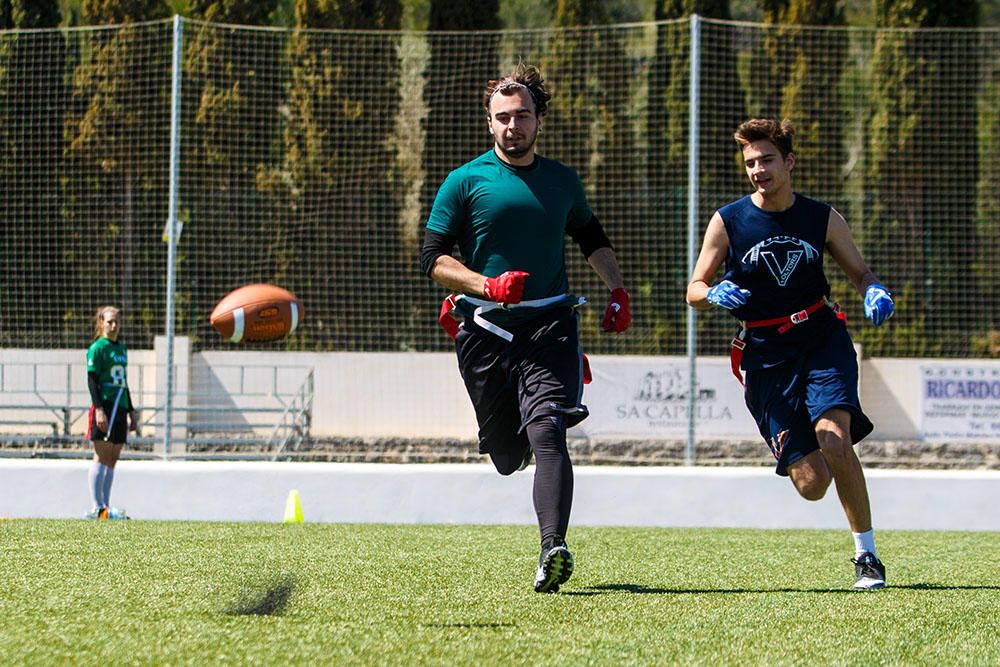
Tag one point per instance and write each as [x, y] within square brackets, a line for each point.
[522, 76]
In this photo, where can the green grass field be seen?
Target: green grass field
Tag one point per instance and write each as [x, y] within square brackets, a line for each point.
[224, 593]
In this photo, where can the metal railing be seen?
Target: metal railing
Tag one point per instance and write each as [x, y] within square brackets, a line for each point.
[238, 411]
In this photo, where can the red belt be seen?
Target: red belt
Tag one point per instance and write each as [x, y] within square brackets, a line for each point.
[788, 321]
[783, 323]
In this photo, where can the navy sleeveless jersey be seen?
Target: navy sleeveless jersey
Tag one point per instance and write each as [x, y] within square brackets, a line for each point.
[778, 256]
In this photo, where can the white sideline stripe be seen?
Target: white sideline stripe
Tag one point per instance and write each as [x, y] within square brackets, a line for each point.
[237, 325]
[476, 494]
[295, 316]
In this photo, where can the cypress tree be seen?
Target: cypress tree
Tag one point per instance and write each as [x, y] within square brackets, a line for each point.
[720, 179]
[722, 105]
[344, 97]
[919, 235]
[120, 145]
[232, 93]
[459, 65]
[588, 127]
[804, 67]
[797, 74]
[32, 94]
[986, 269]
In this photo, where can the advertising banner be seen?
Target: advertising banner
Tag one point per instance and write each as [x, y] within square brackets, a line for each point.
[647, 397]
[960, 402]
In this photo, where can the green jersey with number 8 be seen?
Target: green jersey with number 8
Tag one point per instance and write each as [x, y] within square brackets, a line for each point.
[109, 360]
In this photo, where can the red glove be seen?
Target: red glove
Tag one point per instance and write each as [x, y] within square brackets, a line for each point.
[446, 319]
[507, 288]
[617, 315]
[588, 377]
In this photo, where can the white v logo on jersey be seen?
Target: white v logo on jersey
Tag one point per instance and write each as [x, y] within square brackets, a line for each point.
[770, 250]
[782, 273]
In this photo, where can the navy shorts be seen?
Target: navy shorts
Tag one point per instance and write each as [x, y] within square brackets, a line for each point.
[117, 425]
[786, 400]
[537, 374]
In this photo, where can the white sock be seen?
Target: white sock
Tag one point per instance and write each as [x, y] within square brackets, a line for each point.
[96, 478]
[864, 542]
[109, 477]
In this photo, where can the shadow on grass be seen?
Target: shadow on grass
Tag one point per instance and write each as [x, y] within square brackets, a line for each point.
[648, 590]
[272, 599]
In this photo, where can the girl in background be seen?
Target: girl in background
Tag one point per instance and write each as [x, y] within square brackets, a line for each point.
[111, 410]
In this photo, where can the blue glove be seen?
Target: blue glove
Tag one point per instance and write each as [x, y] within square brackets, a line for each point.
[878, 304]
[728, 295]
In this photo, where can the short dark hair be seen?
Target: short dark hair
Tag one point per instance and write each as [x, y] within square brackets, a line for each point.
[759, 129]
[522, 76]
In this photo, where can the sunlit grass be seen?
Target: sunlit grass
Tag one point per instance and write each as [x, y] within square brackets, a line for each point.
[183, 592]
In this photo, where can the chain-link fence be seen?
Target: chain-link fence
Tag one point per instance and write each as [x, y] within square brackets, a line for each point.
[309, 158]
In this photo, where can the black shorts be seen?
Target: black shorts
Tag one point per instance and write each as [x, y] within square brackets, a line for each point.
[787, 400]
[117, 424]
[537, 374]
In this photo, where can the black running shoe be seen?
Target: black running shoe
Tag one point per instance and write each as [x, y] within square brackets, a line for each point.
[869, 571]
[555, 566]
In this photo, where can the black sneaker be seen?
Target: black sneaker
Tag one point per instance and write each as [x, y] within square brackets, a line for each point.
[869, 571]
[555, 566]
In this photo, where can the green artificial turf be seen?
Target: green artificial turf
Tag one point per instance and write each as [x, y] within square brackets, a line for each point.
[142, 592]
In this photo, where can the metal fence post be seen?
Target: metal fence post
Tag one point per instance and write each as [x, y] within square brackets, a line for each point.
[172, 230]
[694, 102]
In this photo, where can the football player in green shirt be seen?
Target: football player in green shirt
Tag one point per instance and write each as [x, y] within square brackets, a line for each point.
[111, 412]
[510, 210]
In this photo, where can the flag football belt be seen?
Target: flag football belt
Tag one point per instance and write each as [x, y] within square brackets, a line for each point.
[461, 305]
[114, 410]
[470, 306]
[783, 323]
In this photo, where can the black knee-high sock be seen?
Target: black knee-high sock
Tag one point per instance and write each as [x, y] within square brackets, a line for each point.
[553, 486]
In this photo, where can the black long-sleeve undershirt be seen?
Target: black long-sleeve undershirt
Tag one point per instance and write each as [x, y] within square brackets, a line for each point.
[94, 385]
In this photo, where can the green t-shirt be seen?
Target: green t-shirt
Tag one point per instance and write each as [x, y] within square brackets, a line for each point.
[510, 218]
[109, 360]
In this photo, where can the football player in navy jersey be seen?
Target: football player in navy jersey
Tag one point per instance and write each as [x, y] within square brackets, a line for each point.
[801, 370]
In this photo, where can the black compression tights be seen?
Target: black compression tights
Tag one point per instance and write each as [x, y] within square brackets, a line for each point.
[553, 489]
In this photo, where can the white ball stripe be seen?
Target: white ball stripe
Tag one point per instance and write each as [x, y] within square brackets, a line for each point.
[238, 324]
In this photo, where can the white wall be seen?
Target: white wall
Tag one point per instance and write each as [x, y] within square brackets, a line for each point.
[475, 493]
[384, 395]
